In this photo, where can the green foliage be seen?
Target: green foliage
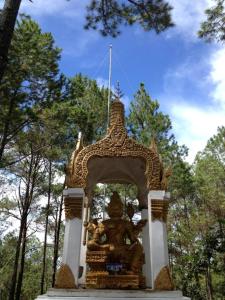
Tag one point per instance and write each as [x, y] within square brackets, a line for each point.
[108, 15]
[91, 107]
[196, 224]
[210, 176]
[145, 121]
[31, 82]
[213, 29]
[32, 272]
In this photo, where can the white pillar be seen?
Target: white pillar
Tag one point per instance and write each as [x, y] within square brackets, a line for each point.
[73, 200]
[145, 215]
[158, 205]
[83, 248]
[83, 251]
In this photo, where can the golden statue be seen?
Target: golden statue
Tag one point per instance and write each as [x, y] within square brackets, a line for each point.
[115, 255]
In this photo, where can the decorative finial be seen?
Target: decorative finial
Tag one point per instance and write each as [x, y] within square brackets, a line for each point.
[79, 144]
[153, 145]
[70, 167]
[165, 178]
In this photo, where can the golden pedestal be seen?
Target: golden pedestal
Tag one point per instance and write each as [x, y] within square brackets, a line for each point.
[99, 278]
[100, 281]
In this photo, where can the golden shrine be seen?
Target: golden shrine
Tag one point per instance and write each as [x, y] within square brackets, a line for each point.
[116, 253]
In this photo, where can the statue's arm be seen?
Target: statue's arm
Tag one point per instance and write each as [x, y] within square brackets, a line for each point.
[130, 232]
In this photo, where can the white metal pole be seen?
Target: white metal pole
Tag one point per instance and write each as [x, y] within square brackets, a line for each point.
[110, 76]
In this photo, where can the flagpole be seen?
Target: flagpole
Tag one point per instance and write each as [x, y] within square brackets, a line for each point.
[110, 77]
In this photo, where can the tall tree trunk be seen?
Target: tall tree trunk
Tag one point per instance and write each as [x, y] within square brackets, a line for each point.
[34, 163]
[22, 262]
[25, 204]
[16, 262]
[209, 289]
[56, 240]
[6, 129]
[22, 226]
[7, 23]
[46, 228]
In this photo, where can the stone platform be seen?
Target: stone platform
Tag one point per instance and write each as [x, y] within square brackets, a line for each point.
[91, 294]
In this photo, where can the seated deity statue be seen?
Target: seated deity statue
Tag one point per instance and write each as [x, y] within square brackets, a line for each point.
[118, 237]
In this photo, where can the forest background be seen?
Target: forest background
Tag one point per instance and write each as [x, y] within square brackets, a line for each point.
[42, 111]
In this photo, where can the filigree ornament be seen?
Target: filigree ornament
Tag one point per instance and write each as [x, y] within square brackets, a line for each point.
[69, 168]
[159, 210]
[115, 144]
[163, 281]
[165, 178]
[73, 208]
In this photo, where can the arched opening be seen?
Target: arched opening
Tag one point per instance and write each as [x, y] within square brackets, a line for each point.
[115, 254]
[118, 170]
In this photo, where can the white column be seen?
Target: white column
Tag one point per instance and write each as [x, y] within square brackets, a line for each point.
[73, 199]
[145, 215]
[158, 205]
[83, 248]
[83, 251]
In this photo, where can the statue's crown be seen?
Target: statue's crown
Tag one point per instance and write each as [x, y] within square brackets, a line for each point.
[115, 206]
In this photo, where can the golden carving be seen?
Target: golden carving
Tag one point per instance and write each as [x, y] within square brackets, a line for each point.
[159, 209]
[115, 144]
[165, 178]
[97, 256]
[112, 281]
[115, 242]
[163, 281]
[153, 145]
[117, 110]
[73, 208]
[69, 168]
[65, 278]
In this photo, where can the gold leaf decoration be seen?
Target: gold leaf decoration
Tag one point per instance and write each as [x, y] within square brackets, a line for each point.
[163, 281]
[65, 278]
[115, 144]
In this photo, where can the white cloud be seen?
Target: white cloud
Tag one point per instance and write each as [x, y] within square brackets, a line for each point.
[69, 20]
[187, 17]
[193, 125]
[102, 82]
[217, 76]
[196, 120]
[73, 8]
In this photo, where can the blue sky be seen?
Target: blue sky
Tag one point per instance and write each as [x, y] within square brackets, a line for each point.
[182, 72]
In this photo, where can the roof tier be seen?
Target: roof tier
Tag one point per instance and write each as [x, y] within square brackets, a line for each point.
[116, 158]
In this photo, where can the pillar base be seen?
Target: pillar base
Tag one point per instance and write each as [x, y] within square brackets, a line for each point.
[65, 278]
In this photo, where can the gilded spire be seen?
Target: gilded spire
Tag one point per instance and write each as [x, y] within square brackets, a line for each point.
[79, 145]
[153, 145]
[117, 108]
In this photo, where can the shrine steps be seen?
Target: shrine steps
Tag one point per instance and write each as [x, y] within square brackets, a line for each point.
[91, 294]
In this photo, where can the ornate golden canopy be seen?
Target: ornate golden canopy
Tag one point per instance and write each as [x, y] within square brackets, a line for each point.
[116, 158]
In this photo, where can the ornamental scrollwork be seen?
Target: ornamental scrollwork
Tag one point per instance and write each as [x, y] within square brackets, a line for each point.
[116, 144]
